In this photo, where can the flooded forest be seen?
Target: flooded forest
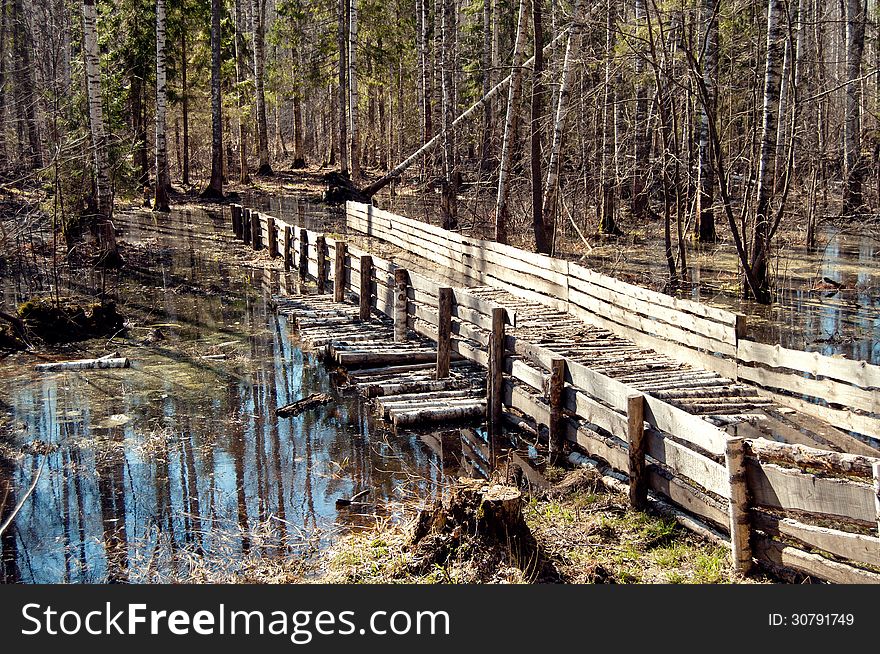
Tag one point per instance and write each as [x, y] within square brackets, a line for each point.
[724, 153]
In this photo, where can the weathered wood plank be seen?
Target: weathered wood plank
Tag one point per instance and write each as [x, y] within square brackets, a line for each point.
[685, 426]
[855, 547]
[689, 464]
[859, 373]
[784, 556]
[785, 488]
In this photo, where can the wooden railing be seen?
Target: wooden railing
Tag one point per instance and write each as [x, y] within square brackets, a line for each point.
[785, 505]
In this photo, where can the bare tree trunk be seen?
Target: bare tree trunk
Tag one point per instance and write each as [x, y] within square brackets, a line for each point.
[4, 39]
[513, 99]
[427, 88]
[215, 187]
[106, 235]
[258, 16]
[342, 90]
[354, 99]
[240, 77]
[184, 104]
[486, 146]
[705, 223]
[449, 191]
[607, 222]
[760, 259]
[163, 177]
[641, 144]
[852, 145]
[555, 163]
[542, 238]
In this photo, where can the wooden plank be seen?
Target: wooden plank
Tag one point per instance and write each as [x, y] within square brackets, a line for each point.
[827, 389]
[287, 248]
[303, 263]
[444, 332]
[321, 267]
[838, 417]
[556, 386]
[702, 326]
[592, 411]
[876, 475]
[685, 426]
[786, 488]
[858, 373]
[784, 556]
[725, 367]
[272, 240]
[803, 456]
[689, 498]
[365, 271]
[339, 255]
[687, 463]
[688, 306]
[846, 545]
[648, 325]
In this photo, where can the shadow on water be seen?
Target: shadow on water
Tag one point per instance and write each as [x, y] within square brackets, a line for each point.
[180, 461]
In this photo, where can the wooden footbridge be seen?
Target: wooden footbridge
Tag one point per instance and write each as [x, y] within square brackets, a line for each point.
[771, 447]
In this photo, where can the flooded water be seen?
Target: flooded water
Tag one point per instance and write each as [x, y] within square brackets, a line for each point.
[179, 465]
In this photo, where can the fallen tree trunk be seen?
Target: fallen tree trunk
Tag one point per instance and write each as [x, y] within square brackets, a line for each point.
[295, 408]
[809, 457]
[84, 364]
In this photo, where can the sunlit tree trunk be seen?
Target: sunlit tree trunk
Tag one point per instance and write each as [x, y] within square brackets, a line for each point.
[486, 145]
[184, 64]
[641, 144]
[258, 15]
[163, 177]
[448, 208]
[760, 258]
[106, 235]
[513, 99]
[608, 205]
[543, 241]
[852, 144]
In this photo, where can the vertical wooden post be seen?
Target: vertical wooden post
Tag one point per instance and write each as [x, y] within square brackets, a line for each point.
[321, 244]
[303, 254]
[256, 235]
[339, 272]
[876, 469]
[365, 290]
[401, 281]
[286, 252]
[635, 427]
[236, 220]
[740, 328]
[444, 331]
[557, 385]
[273, 236]
[246, 225]
[740, 523]
[495, 381]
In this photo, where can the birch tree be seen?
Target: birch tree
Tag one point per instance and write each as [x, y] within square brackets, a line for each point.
[513, 98]
[163, 177]
[104, 193]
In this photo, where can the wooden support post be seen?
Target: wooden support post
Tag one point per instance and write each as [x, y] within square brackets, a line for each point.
[287, 243]
[303, 254]
[236, 220]
[401, 281]
[740, 523]
[365, 289]
[444, 331]
[273, 236]
[876, 469]
[557, 384]
[339, 272]
[321, 244]
[495, 382]
[635, 427]
[256, 236]
[246, 225]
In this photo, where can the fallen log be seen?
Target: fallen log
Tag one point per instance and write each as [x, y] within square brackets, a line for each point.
[84, 364]
[474, 411]
[295, 408]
